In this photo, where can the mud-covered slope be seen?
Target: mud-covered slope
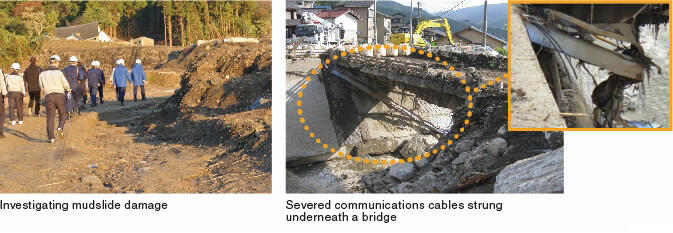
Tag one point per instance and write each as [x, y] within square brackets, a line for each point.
[224, 101]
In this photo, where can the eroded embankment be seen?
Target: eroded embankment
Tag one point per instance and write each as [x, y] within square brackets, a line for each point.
[224, 102]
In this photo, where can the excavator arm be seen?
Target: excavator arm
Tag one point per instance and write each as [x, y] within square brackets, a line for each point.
[435, 23]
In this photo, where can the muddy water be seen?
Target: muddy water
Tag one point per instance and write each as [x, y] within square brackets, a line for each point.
[656, 101]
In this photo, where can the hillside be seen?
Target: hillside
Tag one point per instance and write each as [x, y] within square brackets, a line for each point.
[390, 7]
[497, 18]
[459, 19]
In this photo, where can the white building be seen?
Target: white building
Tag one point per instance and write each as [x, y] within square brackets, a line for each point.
[344, 17]
[89, 31]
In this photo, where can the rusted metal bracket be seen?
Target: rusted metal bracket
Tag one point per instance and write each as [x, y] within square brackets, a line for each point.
[584, 50]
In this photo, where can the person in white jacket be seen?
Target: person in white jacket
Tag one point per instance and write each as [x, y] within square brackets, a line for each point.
[3, 92]
[16, 90]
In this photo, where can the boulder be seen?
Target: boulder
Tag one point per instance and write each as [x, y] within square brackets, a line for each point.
[412, 147]
[542, 173]
[401, 172]
[464, 146]
[421, 163]
[433, 182]
[496, 147]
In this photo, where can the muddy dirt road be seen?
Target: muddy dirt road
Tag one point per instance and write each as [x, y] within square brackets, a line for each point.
[103, 151]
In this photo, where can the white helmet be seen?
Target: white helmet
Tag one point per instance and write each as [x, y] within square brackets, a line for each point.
[138, 61]
[97, 63]
[73, 59]
[55, 57]
[15, 66]
[120, 61]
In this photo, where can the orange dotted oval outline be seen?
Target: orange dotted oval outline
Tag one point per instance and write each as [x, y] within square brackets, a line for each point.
[434, 151]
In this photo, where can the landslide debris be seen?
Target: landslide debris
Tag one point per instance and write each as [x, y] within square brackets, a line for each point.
[224, 101]
[475, 159]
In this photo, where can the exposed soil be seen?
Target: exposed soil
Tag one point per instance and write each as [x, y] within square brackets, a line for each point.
[213, 134]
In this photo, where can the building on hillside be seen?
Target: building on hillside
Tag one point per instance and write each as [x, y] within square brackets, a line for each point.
[397, 21]
[472, 35]
[89, 31]
[365, 9]
[143, 41]
[383, 27]
[345, 17]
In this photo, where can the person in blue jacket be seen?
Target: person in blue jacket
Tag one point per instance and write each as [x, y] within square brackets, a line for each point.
[75, 75]
[120, 77]
[139, 80]
[96, 76]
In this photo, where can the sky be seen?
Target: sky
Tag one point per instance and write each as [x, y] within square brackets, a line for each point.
[436, 6]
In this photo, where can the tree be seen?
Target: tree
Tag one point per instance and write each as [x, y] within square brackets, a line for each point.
[98, 13]
[168, 11]
[51, 21]
[35, 20]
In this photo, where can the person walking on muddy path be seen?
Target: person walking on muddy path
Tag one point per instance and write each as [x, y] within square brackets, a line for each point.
[120, 76]
[96, 77]
[3, 93]
[74, 75]
[139, 80]
[101, 82]
[16, 90]
[32, 77]
[83, 83]
[56, 89]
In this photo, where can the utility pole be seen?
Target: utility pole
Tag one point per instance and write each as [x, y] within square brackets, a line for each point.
[375, 22]
[411, 23]
[419, 10]
[485, 18]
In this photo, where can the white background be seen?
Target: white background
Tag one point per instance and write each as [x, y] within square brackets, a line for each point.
[614, 182]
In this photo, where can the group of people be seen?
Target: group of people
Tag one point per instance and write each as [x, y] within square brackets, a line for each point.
[64, 90]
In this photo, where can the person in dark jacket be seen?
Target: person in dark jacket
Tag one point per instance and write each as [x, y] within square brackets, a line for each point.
[74, 75]
[101, 83]
[95, 76]
[32, 77]
[139, 80]
[83, 83]
[121, 77]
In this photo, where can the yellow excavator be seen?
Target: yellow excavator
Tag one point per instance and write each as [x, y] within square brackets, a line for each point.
[399, 38]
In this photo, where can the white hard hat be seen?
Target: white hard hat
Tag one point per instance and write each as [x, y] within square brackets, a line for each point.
[120, 61]
[15, 66]
[55, 57]
[97, 63]
[73, 59]
[137, 61]
[93, 63]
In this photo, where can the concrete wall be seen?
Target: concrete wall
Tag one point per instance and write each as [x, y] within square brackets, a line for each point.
[301, 148]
